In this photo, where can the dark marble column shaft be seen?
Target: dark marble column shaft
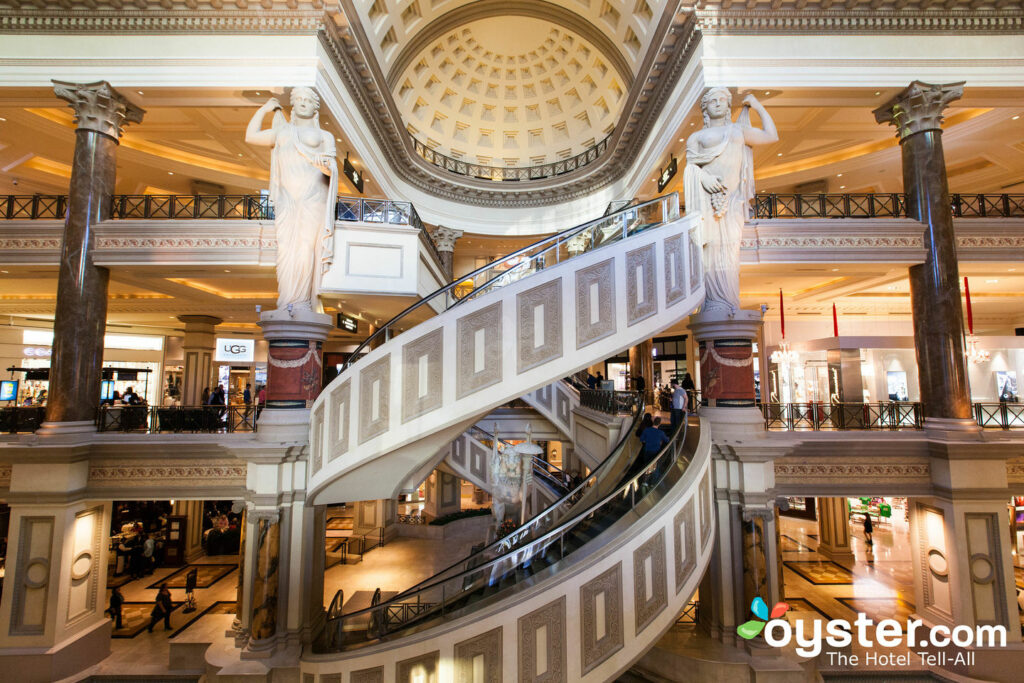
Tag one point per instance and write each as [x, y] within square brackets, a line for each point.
[81, 312]
[934, 284]
[641, 364]
[266, 578]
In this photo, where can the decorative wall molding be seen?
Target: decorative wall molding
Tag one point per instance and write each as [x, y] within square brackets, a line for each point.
[849, 473]
[216, 473]
[813, 17]
[161, 16]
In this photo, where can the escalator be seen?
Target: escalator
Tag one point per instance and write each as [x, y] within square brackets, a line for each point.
[619, 555]
[506, 329]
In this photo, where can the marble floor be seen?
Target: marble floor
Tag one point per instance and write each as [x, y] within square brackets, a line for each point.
[135, 651]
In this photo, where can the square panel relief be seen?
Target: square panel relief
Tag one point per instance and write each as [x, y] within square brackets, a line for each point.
[422, 370]
[650, 580]
[339, 405]
[595, 303]
[478, 350]
[478, 461]
[675, 281]
[601, 617]
[422, 669]
[539, 325]
[542, 653]
[543, 396]
[374, 399]
[374, 675]
[641, 300]
[695, 265]
[685, 544]
[479, 658]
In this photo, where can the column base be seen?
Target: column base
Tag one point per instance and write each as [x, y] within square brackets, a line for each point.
[279, 425]
[64, 660]
[66, 428]
[733, 422]
[951, 427]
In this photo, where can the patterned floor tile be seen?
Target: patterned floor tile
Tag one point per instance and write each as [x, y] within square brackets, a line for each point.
[820, 572]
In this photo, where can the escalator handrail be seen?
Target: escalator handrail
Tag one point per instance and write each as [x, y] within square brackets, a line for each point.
[596, 476]
[557, 239]
[673, 447]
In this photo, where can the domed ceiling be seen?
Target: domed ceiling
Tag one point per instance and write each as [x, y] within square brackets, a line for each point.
[510, 91]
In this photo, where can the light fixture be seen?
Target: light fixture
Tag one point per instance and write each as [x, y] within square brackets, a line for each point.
[878, 92]
[337, 139]
[226, 270]
[692, 123]
[1010, 270]
[779, 154]
[842, 187]
[839, 175]
[681, 139]
[991, 282]
[767, 93]
[1014, 118]
[971, 350]
[170, 173]
[140, 92]
[2, 118]
[239, 154]
[783, 355]
[835, 270]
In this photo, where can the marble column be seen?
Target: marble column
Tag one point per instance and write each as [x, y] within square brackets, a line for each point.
[240, 626]
[81, 312]
[641, 364]
[934, 285]
[265, 578]
[834, 529]
[193, 511]
[198, 347]
[761, 560]
[294, 372]
[444, 239]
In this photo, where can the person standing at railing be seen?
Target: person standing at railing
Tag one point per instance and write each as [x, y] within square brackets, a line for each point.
[679, 403]
[303, 187]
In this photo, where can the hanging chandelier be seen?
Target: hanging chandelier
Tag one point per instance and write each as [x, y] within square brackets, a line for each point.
[972, 351]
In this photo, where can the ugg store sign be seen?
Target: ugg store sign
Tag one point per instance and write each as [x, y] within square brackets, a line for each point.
[235, 350]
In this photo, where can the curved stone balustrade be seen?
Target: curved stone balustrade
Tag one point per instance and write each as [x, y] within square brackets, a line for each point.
[385, 422]
[587, 622]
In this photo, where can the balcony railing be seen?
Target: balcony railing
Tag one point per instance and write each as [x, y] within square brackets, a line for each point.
[882, 416]
[878, 205]
[510, 173]
[611, 402]
[209, 419]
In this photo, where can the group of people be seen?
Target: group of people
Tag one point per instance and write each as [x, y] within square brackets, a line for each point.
[140, 550]
[162, 608]
[128, 398]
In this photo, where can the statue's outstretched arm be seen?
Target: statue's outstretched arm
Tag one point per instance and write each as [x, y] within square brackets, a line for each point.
[263, 138]
[767, 134]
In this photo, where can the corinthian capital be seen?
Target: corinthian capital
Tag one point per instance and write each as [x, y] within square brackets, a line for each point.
[98, 107]
[919, 107]
[444, 238]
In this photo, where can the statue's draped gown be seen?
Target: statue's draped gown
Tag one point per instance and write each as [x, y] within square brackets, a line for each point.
[303, 199]
[723, 152]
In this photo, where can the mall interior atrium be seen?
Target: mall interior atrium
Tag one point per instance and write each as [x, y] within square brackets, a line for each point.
[436, 341]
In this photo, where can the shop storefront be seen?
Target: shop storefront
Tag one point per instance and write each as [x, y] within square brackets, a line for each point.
[130, 361]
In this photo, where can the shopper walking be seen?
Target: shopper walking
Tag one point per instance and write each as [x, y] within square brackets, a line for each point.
[691, 393]
[653, 439]
[679, 402]
[161, 609]
[114, 610]
[869, 528]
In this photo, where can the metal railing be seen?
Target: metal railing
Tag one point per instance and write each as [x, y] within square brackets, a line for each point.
[208, 419]
[611, 402]
[881, 205]
[522, 553]
[21, 419]
[510, 173]
[884, 416]
[533, 258]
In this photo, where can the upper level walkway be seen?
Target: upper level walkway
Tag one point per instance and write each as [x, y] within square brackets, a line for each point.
[239, 229]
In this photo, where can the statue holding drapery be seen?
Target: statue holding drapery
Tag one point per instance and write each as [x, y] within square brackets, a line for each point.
[719, 183]
[303, 187]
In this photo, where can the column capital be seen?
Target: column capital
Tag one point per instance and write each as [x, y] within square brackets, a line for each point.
[98, 107]
[919, 107]
[444, 238]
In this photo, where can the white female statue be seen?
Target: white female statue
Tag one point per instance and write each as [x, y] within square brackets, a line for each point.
[719, 183]
[303, 187]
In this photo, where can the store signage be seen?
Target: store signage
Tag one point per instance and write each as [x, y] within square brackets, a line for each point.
[37, 351]
[8, 389]
[348, 323]
[231, 350]
[354, 176]
[667, 174]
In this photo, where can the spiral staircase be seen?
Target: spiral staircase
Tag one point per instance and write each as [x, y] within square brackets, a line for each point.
[585, 587]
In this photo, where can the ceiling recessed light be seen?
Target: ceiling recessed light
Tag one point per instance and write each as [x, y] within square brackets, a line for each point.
[239, 154]
[878, 92]
[170, 173]
[2, 118]
[692, 124]
[835, 270]
[839, 175]
[681, 139]
[226, 270]
[1014, 118]
[842, 187]
[258, 94]
[140, 92]
[1009, 270]
[4, 271]
[779, 154]
[337, 139]
[767, 92]
[992, 282]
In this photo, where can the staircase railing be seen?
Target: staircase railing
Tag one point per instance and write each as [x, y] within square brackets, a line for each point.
[477, 578]
[530, 259]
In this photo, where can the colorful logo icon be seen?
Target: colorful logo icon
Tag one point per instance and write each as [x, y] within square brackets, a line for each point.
[750, 629]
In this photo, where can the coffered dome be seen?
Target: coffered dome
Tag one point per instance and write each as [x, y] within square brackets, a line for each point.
[510, 91]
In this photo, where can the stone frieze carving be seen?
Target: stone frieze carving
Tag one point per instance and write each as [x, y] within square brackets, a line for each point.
[788, 473]
[149, 475]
